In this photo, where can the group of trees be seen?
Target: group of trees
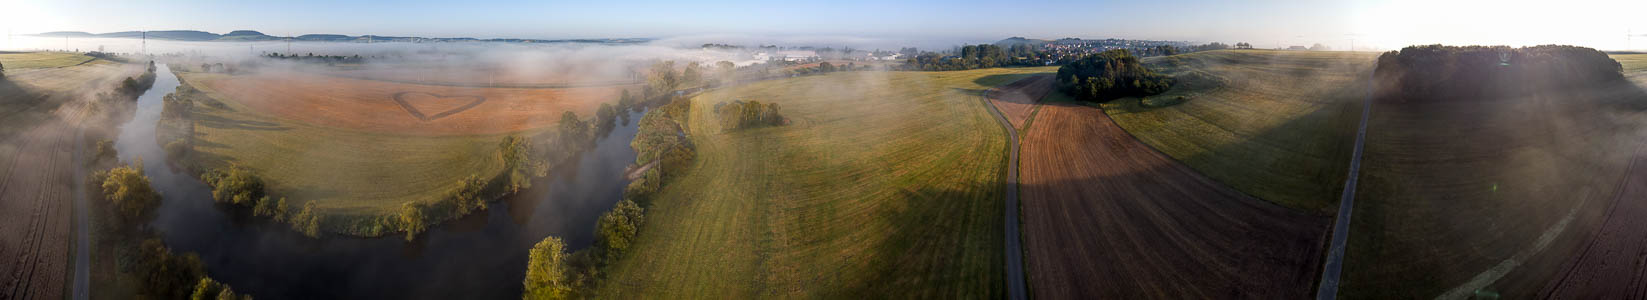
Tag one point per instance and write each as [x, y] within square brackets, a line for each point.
[128, 191]
[1471, 73]
[1109, 75]
[740, 114]
[1243, 46]
[311, 57]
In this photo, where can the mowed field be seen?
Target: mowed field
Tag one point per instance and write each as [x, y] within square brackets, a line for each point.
[404, 109]
[884, 184]
[37, 60]
[1493, 197]
[1107, 217]
[351, 175]
[1277, 125]
[43, 109]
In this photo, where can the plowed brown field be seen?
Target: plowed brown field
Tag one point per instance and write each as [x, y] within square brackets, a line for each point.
[371, 105]
[1107, 217]
[1017, 100]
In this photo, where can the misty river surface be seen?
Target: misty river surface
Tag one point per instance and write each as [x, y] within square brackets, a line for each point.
[482, 256]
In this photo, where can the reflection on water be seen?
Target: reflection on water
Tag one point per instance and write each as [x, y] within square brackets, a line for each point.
[482, 256]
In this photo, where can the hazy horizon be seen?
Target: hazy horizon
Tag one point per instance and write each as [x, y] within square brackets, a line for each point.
[1390, 24]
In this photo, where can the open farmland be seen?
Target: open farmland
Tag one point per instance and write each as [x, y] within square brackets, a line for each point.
[403, 109]
[1493, 194]
[1106, 216]
[43, 110]
[1017, 100]
[1276, 125]
[882, 185]
[40, 60]
[474, 76]
[348, 173]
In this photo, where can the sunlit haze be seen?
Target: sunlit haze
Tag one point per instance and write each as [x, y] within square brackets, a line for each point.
[1602, 24]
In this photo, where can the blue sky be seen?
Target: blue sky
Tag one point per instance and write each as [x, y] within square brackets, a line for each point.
[1262, 22]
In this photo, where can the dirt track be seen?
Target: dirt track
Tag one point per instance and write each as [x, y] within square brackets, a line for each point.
[1107, 217]
[1017, 100]
[1610, 266]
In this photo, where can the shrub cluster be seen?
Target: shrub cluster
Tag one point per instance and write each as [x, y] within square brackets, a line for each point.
[740, 115]
[1109, 75]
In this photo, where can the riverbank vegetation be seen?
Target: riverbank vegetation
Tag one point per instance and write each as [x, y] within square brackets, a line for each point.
[125, 204]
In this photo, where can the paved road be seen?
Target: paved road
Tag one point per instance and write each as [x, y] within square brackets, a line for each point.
[82, 246]
[1014, 246]
[1341, 231]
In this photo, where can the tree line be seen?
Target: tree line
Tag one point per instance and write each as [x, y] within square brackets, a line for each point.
[1109, 75]
[1478, 73]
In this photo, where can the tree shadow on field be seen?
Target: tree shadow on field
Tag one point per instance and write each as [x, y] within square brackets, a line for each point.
[1001, 80]
[947, 243]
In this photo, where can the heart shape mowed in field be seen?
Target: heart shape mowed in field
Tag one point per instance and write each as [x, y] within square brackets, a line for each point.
[443, 105]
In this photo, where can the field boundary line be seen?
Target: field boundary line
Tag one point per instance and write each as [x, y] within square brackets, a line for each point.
[1334, 266]
[1014, 246]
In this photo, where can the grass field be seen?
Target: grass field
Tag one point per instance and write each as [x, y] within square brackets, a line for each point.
[1273, 124]
[1487, 197]
[349, 174]
[885, 184]
[40, 60]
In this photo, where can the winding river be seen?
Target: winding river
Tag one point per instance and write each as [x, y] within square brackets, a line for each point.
[482, 256]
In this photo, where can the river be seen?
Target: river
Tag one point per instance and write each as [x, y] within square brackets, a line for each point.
[482, 256]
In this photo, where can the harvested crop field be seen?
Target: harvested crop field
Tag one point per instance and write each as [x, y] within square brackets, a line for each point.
[1017, 100]
[1107, 217]
[409, 109]
[1610, 265]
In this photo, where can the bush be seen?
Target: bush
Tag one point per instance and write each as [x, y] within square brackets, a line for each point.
[267, 207]
[235, 185]
[414, 218]
[546, 271]
[164, 275]
[616, 230]
[468, 195]
[1109, 75]
[520, 167]
[740, 115]
[307, 221]
[129, 190]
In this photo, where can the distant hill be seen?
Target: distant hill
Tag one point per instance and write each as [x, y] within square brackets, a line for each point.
[1019, 41]
[253, 35]
[247, 35]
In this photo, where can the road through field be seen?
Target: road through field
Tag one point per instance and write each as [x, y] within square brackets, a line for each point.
[1341, 229]
[1014, 246]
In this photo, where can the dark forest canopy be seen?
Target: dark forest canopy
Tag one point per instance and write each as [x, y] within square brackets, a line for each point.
[1109, 75]
[1465, 73]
